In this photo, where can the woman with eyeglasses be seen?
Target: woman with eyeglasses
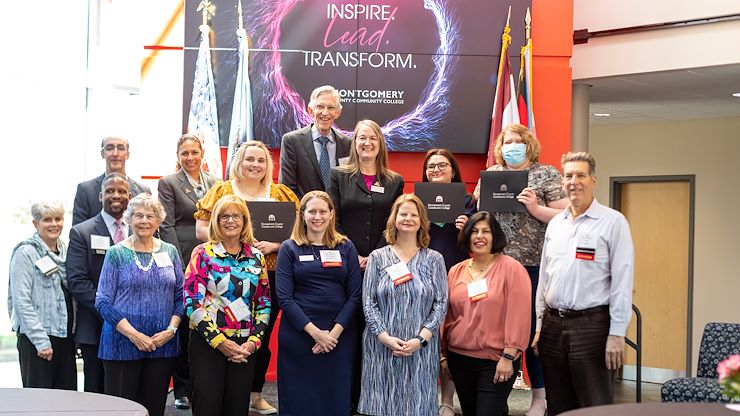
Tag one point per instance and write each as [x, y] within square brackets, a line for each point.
[250, 176]
[140, 299]
[179, 193]
[227, 299]
[319, 283]
[516, 148]
[363, 192]
[440, 166]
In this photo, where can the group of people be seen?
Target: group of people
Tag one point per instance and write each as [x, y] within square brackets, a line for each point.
[378, 304]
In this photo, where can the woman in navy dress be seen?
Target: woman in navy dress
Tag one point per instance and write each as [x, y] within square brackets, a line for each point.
[319, 286]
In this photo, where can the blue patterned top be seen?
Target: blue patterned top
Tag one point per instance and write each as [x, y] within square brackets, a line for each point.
[147, 299]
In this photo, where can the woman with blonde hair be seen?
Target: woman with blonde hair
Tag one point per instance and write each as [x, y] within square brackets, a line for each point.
[227, 299]
[319, 284]
[404, 297]
[250, 176]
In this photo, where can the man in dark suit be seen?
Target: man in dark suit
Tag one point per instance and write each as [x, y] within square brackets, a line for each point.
[88, 242]
[308, 154]
[114, 150]
[179, 197]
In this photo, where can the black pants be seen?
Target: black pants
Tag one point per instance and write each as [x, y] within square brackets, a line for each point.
[572, 351]
[93, 369]
[59, 373]
[144, 381]
[262, 358]
[478, 394]
[181, 369]
[220, 387]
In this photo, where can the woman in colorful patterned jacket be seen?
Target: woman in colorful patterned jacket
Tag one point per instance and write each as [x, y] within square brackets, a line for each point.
[227, 298]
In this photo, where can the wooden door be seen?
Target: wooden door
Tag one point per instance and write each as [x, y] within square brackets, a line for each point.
[659, 216]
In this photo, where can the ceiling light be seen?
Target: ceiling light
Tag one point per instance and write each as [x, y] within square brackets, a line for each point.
[736, 94]
[602, 114]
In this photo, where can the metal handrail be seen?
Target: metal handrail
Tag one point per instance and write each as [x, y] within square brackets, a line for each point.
[638, 348]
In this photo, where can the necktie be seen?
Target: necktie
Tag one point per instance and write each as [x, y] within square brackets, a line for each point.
[118, 236]
[324, 161]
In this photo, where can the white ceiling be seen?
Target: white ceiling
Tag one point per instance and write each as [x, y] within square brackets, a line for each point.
[664, 96]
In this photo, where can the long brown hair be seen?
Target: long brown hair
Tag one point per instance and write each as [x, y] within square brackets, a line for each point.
[381, 161]
[332, 237]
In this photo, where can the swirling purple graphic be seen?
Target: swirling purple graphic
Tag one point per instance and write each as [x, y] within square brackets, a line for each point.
[280, 108]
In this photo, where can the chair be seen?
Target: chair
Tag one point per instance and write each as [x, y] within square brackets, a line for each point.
[719, 341]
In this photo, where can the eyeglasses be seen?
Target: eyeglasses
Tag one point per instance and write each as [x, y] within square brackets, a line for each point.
[232, 217]
[139, 216]
[434, 166]
[322, 107]
[110, 148]
[367, 138]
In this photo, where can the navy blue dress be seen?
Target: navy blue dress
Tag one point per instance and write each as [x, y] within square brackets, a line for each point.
[308, 383]
[444, 238]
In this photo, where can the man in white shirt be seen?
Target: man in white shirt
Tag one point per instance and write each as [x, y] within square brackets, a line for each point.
[584, 299]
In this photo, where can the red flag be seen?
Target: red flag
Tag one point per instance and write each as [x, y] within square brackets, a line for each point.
[505, 109]
[526, 110]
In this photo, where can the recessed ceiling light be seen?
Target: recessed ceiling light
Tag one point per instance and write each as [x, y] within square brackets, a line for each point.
[736, 94]
[602, 114]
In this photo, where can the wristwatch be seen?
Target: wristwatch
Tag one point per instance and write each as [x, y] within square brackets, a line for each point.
[422, 340]
[508, 356]
[172, 328]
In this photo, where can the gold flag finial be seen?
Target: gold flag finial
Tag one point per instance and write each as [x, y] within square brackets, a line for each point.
[528, 25]
[208, 9]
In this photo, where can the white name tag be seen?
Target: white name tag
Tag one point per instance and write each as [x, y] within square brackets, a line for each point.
[477, 290]
[306, 257]
[237, 311]
[377, 188]
[331, 258]
[99, 242]
[587, 241]
[46, 265]
[399, 273]
[219, 249]
[342, 161]
[162, 259]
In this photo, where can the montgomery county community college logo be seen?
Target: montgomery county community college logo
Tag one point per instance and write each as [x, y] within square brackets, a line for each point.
[439, 199]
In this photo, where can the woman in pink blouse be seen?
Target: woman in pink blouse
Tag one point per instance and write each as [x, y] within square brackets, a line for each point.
[488, 319]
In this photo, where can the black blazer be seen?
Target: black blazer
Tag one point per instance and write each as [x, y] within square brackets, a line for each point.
[87, 199]
[83, 272]
[299, 167]
[179, 199]
[362, 214]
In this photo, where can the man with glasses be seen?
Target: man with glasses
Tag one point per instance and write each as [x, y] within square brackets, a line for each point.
[308, 154]
[114, 150]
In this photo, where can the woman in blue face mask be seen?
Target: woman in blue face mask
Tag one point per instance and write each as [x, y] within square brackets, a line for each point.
[517, 149]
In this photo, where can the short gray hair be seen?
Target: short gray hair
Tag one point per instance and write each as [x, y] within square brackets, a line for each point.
[145, 201]
[42, 209]
[324, 89]
[580, 157]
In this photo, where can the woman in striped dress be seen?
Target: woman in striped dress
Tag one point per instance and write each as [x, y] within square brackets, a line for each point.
[404, 298]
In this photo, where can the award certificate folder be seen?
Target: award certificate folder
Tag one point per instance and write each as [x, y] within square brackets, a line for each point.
[498, 190]
[272, 221]
[444, 201]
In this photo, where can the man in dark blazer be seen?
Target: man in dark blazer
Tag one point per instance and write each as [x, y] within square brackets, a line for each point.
[301, 150]
[115, 152]
[178, 197]
[88, 243]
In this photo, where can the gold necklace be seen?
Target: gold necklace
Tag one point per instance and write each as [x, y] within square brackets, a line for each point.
[476, 275]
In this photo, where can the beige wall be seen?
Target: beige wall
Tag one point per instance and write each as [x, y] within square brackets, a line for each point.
[709, 149]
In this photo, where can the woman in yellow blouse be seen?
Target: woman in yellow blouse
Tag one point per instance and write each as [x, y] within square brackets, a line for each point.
[250, 178]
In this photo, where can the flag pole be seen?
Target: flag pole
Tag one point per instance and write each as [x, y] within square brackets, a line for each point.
[239, 12]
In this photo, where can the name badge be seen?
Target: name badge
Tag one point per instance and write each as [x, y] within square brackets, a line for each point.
[306, 257]
[477, 290]
[99, 243]
[377, 188]
[236, 312]
[46, 265]
[399, 273]
[586, 247]
[162, 259]
[219, 249]
[342, 161]
[331, 258]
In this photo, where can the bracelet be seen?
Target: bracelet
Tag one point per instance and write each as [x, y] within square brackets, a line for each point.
[172, 328]
[443, 359]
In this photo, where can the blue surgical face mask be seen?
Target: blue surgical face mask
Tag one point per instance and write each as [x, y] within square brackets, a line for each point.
[514, 153]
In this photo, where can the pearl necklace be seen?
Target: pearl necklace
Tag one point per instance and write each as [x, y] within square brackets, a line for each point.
[142, 267]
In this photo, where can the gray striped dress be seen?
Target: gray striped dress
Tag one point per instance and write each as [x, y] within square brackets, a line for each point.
[402, 385]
